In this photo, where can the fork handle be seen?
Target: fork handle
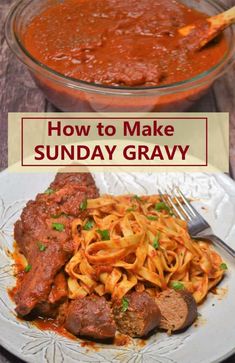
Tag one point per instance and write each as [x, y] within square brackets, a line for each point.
[217, 241]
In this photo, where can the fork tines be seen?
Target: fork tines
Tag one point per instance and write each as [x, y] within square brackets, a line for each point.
[178, 203]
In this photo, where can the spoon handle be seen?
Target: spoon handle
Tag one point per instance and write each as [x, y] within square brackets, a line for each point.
[224, 19]
[206, 30]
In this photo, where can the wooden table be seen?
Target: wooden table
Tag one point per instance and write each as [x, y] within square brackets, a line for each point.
[19, 94]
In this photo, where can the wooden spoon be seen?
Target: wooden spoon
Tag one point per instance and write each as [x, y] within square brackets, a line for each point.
[202, 32]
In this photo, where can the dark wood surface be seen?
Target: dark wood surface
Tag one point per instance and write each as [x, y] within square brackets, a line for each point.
[19, 94]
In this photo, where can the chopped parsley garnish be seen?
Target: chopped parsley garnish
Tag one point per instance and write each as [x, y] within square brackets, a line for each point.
[125, 304]
[88, 225]
[83, 205]
[59, 215]
[156, 242]
[152, 218]
[104, 233]
[58, 227]
[163, 206]
[177, 285]
[131, 209]
[136, 197]
[223, 266]
[49, 191]
[41, 247]
[28, 268]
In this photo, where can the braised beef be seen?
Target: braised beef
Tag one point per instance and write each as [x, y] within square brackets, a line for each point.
[43, 234]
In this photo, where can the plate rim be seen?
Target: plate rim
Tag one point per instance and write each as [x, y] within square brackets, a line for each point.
[6, 343]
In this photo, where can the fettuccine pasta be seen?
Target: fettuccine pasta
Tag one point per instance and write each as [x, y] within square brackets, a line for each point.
[127, 242]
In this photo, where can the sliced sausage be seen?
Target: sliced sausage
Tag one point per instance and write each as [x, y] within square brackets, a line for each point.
[91, 316]
[138, 316]
[178, 309]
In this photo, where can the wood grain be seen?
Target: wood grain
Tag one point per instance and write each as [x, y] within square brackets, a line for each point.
[18, 91]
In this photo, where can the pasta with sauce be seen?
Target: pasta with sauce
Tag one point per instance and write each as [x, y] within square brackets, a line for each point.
[128, 242]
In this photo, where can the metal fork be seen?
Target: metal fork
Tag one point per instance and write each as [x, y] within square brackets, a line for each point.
[197, 225]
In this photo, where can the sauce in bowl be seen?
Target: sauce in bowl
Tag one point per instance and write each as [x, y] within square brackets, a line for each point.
[129, 43]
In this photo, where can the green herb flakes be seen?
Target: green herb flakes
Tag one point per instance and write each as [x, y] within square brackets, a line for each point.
[41, 247]
[223, 266]
[136, 197]
[88, 225]
[83, 205]
[152, 218]
[156, 242]
[104, 234]
[49, 191]
[177, 285]
[131, 209]
[59, 215]
[58, 227]
[125, 304]
[163, 206]
[28, 268]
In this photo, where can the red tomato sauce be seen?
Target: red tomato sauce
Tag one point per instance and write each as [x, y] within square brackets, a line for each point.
[132, 43]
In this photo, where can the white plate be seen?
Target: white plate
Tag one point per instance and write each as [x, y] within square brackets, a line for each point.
[211, 341]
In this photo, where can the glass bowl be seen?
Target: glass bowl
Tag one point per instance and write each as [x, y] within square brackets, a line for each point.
[73, 95]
